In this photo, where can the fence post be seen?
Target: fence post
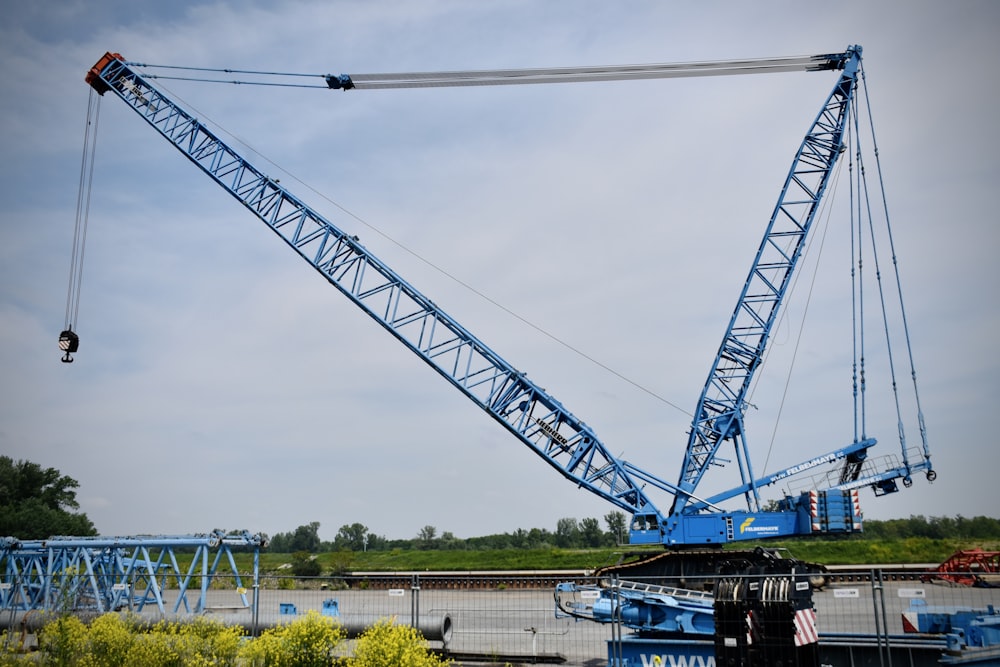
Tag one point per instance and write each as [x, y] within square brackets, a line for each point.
[616, 624]
[256, 592]
[415, 601]
[885, 620]
[881, 624]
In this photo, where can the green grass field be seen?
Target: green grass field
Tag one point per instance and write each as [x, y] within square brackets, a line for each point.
[828, 552]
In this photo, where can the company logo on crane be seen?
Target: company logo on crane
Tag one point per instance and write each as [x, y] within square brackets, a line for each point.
[747, 527]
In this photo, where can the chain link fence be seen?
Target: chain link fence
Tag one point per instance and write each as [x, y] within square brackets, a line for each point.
[502, 618]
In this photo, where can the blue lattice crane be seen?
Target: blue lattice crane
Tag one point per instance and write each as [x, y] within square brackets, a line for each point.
[527, 411]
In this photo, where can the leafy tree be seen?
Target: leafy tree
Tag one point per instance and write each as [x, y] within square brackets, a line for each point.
[304, 564]
[615, 521]
[37, 502]
[519, 539]
[591, 534]
[449, 541]
[538, 538]
[353, 537]
[567, 533]
[278, 543]
[427, 536]
[306, 538]
[303, 538]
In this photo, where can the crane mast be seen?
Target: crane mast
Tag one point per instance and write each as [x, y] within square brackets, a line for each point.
[718, 416]
[527, 411]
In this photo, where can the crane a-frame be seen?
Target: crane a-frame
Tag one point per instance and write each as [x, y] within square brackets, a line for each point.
[526, 410]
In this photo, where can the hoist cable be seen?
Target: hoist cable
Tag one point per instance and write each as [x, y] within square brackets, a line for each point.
[444, 272]
[225, 70]
[82, 210]
[161, 77]
[69, 341]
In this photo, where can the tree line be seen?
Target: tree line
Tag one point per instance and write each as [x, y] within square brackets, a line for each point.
[588, 533]
[569, 533]
[37, 502]
[935, 527]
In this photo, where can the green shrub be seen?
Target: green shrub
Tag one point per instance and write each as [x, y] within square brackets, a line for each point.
[311, 640]
[195, 643]
[386, 644]
[112, 640]
[304, 564]
[64, 642]
[308, 641]
[9, 647]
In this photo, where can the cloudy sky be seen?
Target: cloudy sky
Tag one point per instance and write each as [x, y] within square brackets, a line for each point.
[574, 228]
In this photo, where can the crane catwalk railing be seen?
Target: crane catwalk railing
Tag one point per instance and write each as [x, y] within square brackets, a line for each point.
[721, 407]
[505, 393]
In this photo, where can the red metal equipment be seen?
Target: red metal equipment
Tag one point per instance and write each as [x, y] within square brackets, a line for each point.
[971, 567]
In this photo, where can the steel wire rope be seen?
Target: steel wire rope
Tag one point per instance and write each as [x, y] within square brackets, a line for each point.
[80, 224]
[855, 378]
[858, 321]
[465, 285]
[236, 82]
[825, 213]
[865, 195]
[895, 264]
[496, 77]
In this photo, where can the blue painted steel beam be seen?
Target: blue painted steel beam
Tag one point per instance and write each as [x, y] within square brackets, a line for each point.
[112, 573]
[533, 416]
[854, 449]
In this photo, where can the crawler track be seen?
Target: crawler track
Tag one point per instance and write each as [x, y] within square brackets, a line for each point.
[541, 579]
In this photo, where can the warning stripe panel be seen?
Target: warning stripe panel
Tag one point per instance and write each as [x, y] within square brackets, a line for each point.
[805, 627]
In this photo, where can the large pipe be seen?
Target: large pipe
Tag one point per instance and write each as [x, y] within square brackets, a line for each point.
[435, 627]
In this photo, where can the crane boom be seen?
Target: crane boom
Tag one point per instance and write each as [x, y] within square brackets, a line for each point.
[505, 393]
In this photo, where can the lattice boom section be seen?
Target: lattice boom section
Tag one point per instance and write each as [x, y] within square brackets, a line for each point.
[721, 405]
[527, 411]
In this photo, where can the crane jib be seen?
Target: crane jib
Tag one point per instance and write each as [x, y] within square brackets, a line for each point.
[532, 415]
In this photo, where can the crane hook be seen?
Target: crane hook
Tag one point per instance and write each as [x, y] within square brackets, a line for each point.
[69, 343]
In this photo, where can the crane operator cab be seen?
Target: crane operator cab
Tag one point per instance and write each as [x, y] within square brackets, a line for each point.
[645, 529]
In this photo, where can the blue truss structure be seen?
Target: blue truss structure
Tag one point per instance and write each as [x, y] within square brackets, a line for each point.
[121, 573]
